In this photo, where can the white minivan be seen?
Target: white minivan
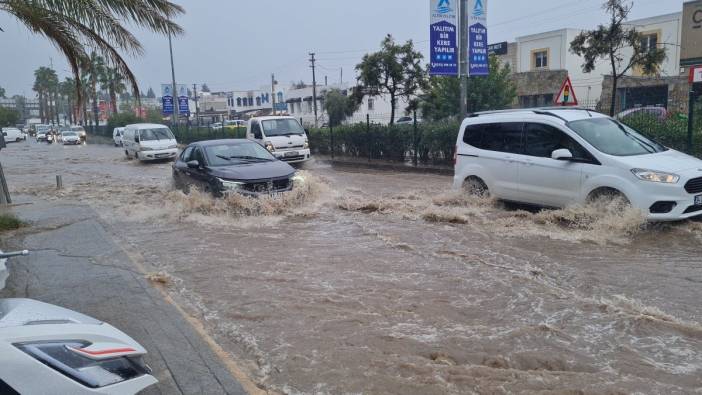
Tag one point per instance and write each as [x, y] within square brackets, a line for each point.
[558, 157]
[283, 137]
[147, 141]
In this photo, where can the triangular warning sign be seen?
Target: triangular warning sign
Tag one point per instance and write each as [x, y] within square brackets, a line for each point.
[566, 97]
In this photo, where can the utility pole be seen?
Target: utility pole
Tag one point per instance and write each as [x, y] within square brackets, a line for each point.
[197, 106]
[314, 88]
[463, 55]
[341, 76]
[176, 109]
[273, 92]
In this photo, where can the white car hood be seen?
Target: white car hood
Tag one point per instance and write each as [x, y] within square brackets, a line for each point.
[283, 142]
[22, 312]
[669, 161]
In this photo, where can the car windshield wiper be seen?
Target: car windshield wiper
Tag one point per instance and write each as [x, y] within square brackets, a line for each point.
[224, 157]
[648, 147]
[249, 158]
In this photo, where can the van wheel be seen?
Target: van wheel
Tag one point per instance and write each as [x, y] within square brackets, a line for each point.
[608, 195]
[474, 186]
[127, 154]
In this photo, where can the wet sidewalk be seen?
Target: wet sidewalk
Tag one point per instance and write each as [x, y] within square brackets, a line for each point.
[75, 263]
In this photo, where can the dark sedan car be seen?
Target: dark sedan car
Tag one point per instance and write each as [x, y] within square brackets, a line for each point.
[232, 166]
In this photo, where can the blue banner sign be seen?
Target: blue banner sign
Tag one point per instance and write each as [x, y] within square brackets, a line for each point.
[478, 60]
[167, 99]
[444, 37]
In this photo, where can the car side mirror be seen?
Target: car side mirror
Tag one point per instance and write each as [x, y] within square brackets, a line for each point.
[4, 134]
[562, 154]
[136, 139]
[258, 136]
[307, 131]
[193, 164]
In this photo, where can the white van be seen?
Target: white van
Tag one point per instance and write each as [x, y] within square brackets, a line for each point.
[13, 134]
[147, 141]
[284, 137]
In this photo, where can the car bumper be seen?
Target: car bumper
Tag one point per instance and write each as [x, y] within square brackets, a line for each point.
[293, 155]
[69, 142]
[158, 155]
[652, 193]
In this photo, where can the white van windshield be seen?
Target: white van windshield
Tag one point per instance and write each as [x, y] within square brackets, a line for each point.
[282, 127]
[155, 134]
[614, 138]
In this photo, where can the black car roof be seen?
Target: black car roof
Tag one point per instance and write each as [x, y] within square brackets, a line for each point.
[208, 143]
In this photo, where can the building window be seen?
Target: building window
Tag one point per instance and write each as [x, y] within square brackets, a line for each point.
[649, 42]
[309, 106]
[539, 59]
[371, 104]
[250, 101]
[238, 102]
[258, 101]
[292, 108]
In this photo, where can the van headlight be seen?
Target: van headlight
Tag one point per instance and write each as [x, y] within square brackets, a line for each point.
[230, 185]
[656, 176]
[63, 357]
[270, 147]
[306, 145]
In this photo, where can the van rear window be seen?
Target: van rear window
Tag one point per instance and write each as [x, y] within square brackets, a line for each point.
[500, 137]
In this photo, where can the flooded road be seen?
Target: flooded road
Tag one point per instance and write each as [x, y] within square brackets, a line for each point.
[378, 282]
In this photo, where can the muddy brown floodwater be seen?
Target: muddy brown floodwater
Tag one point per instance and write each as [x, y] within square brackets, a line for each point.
[377, 282]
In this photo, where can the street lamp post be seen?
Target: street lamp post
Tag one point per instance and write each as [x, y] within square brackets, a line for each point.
[174, 115]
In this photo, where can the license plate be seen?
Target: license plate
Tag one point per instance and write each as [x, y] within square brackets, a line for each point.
[291, 153]
[698, 200]
[161, 155]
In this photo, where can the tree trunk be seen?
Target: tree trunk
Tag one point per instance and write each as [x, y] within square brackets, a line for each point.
[56, 108]
[393, 101]
[113, 100]
[41, 106]
[613, 100]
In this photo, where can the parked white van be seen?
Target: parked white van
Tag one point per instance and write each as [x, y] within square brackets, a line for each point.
[146, 142]
[557, 157]
[283, 137]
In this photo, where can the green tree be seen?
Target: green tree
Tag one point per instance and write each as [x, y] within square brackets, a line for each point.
[395, 70]
[620, 44]
[21, 106]
[94, 69]
[72, 26]
[150, 94]
[339, 106]
[493, 92]
[8, 117]
[67, 91]
[205, 88]
[2, 92]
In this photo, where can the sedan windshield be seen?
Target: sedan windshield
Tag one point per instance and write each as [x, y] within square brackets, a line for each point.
[282, 127]
[227, 154]
[77, 129]
[69, 134]
[614, 138]
[156, 134]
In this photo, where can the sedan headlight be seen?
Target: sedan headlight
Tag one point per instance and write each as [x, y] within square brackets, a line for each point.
[63, 357]
[298, 179]
[146, 149]
[230, 185]
[270, 147]
[656, 176]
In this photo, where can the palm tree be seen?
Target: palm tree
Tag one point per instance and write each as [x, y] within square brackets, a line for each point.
[94, 68]
[67, 90]
[46, 84]
[113, 82]
[72, 26]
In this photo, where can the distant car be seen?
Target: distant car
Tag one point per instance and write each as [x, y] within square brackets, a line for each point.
[42, 131]
[221, 167]
[235, 124]
[81, 132]
[406, 121]
[117, 136]
[660, 113]
[70, 138]
[216, 126]
[13, 134]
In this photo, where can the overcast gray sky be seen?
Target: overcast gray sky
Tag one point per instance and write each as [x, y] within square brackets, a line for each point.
[236, 44]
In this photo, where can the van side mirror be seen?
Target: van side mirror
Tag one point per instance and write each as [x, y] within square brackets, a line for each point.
[562, 154]
[258, 136]
[136, 139]
[193, 164]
